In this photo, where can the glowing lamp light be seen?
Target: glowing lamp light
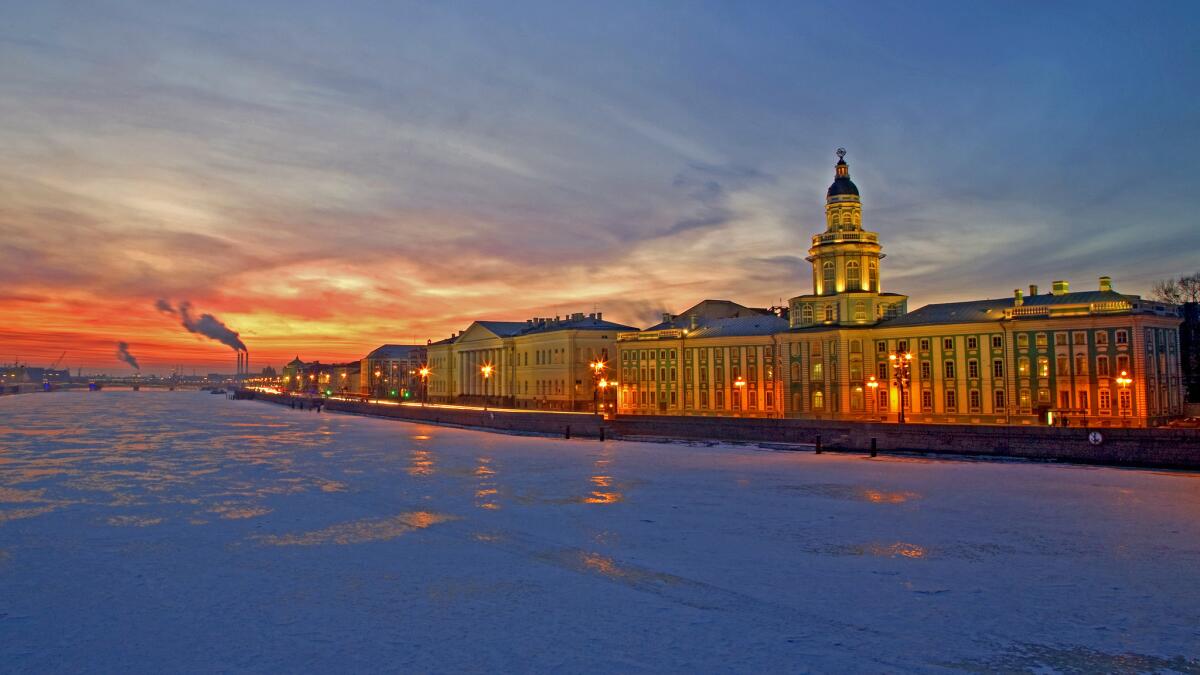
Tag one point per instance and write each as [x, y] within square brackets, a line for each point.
[872, 383]
[1123, 379]
[740, 382]
[486, 370]
[424, 372]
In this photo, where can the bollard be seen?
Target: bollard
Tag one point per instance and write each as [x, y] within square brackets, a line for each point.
[818, 444]
[601, 434]
[568, 432]
[873, 446]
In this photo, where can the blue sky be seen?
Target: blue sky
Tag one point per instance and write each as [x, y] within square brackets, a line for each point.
[366, 171]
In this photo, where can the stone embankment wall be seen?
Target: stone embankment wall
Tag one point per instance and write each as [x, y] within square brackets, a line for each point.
[1174, 448]
[559, 424]
[1166, 448]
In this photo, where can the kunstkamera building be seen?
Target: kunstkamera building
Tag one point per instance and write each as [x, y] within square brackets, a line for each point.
[850, 350]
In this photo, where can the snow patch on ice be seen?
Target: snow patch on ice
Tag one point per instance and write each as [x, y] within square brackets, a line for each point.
[359, 531]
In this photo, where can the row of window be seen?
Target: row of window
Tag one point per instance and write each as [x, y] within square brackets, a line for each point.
[653, 398]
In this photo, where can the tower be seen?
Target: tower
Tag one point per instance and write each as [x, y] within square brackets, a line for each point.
[845, 264]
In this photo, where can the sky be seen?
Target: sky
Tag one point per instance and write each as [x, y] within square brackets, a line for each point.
[323, 178]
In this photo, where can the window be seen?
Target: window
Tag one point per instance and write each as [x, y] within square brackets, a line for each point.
[951, 400]
[872, 275]
[997, 368]
[972, 342]
[973, 369]
[1061, 366]
[817, 370]
[948, 370]
[881, 372]
[927, 400]
[924, 344]
[1043, 366]
[1101, 337]
[1083, 400]
[997, 342]
[998, 400]
[1044, 396]
[818, 400]
[1122, 337]
[753, 399]
[1041, 340]
[1122, 364]
[770, 399]
[1023, 341]
[1102, 365]
[860, 311]
[720, 400]
[947, 343]
[829, 313]
[856, 346]
[1126, 400]
[1064, 400]
[1024, 401]
[1105, 400]
[829, 278]
[853, 276]
[806, 314]
[1079, 337]
[973, 399]
[881, 346]
[883, 400]
[1060, 339]
[925, 370]
[1081, 364]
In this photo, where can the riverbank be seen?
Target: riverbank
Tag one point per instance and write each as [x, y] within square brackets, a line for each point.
[1142, 448]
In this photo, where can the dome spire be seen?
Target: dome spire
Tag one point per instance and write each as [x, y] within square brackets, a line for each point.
[842, 185]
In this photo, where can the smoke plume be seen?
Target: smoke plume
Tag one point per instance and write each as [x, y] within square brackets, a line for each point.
[206, 324]
[124, 355]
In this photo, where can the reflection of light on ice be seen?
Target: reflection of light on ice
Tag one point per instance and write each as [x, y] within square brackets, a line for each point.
[360, 531]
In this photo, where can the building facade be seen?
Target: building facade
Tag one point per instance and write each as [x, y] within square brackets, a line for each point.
[542, 363]
[391, 371]
[849, 350]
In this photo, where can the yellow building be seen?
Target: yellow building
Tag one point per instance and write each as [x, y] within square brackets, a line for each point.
[851, 351]
[542, 363]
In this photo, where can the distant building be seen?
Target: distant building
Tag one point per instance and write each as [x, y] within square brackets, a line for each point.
[542, 363]
[392, 371]
[1190, 350]
[851, 351]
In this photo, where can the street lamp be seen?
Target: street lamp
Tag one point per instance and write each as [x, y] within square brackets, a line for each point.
[485, 370]
[424, 372]
[873, 385]
[740, 384]
[900, 364]
[1124, 380]
[597, 367]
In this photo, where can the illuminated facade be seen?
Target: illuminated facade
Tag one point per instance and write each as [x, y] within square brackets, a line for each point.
[542, 363]
[391, 371]
[851, 351]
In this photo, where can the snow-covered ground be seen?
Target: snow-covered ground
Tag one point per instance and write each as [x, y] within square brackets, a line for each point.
[169, 531]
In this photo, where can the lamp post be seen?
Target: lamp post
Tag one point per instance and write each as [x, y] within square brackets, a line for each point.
[872, 386]
[740, 386]
[485, 370]
[424, 372]
[597, 367]
[900, 364]
[378, 385]
[1124, 380]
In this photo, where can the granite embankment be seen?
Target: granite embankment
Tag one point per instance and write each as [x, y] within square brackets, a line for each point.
[1158, 448]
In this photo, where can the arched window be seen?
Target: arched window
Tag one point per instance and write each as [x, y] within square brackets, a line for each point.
[806, 314]
[829, 277]
[847, 219]
[795, 372]
[829, 313]
[853, 276]
[872, 276]
[818, 400]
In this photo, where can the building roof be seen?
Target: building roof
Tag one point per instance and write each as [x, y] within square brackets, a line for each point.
[573, 323]
[503, 328]
[977, 311]
[394, 351]
[761, 324]
[708, 310]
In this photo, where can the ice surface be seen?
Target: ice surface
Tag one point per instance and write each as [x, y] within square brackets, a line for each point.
[180, 531]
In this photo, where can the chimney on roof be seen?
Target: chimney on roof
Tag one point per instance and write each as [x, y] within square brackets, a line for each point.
[1060, 287]
[591, 315]
[1032, 290]
[1018, 300]
[693, 321]
[1106, 283]
[666, 317]
[599, 316]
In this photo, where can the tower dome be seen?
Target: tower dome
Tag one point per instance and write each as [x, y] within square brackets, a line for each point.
[842, 185]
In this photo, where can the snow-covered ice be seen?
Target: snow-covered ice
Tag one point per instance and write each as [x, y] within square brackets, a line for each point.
[180, 531]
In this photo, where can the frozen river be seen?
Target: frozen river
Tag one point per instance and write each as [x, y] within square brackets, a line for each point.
[168, 531]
